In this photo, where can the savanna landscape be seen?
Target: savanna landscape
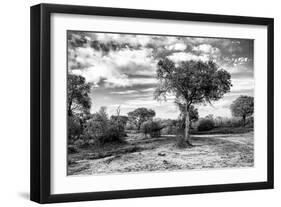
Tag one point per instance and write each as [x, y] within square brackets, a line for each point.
[142, 103]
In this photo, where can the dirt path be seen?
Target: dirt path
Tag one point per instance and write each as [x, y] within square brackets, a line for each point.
[160, 154]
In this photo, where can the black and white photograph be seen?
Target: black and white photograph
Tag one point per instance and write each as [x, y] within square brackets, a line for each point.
[143, 103]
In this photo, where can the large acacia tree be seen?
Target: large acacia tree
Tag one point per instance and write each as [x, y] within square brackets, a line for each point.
[192, 82]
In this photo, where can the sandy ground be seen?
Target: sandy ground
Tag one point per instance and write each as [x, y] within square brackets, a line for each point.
[160, 154]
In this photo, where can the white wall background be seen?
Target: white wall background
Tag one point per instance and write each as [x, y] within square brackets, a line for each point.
[14, 104]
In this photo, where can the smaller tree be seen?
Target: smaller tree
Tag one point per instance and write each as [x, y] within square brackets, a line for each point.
[97, 127]
[140, 115]
[78, 100]
[153, 128]
[243, 107]
[121, 120]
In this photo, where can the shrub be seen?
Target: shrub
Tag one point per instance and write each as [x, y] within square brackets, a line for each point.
[99, 129]
[72, 149]
[228, 122]
[250, 122]
[80, 142]
[169, 130]
[73, 128]
[226, 130]
[130, 126]
[116, 132]
[205, 124]
[96, 128]
[152, 128]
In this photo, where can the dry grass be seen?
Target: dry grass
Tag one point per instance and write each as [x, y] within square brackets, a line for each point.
[140, 154]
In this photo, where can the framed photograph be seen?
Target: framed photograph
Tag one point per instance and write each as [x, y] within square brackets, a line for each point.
[132, 103]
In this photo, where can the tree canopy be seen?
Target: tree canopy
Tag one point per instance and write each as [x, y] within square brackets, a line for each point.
[140, 115]
[243, 107]
[192, 81]
[78, 95]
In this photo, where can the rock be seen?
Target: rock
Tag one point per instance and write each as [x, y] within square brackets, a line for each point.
[165, 162]
[161, 154]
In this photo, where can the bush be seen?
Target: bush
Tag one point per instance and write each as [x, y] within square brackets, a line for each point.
[170, 130]
[226, 130]
[228, 122]
[80, 142]
[205, 124]
[96, 129]
[131, 127]
[116, 132]
[250, 122]
[153, 128]
[73, 128]
[99, 129]
[72, 149]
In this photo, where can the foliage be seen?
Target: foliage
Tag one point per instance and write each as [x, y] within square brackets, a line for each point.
[226, 130]
[169, 130]
[115, 132]
[120, 119]
[153, 128]
[193, 114]
[97, 127]
[170, 127]
[191, 82]
[250, 122]
[228, 122]
[74, 128]
[140, 115]
[78, 100]
[71, 149]
[131, 127]
[100, 129]
[243, 107]
[206, 124]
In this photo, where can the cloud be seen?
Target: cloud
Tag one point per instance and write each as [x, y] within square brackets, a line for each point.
[123, 68]
[124, 92]
[115, 68]
[134, 40]
[177, 46]
[242, 85]
[207, 49]
[81, 58]
[183, 56]
[148, 90]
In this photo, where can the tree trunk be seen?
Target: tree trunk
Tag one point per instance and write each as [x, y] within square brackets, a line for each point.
[187, 124]
[244, 121]
[69, 112]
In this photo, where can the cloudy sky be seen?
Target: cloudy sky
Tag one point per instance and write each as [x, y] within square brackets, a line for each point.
[122, 68]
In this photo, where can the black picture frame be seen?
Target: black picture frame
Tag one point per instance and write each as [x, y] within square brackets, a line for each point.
[41, 98]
